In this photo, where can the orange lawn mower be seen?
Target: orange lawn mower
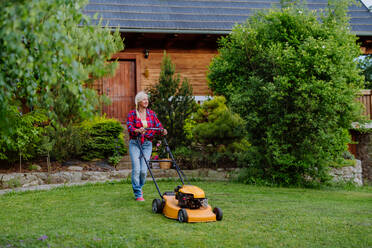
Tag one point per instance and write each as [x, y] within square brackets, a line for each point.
[187, 203]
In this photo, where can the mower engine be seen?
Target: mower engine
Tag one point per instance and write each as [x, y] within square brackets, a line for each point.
[190, 196]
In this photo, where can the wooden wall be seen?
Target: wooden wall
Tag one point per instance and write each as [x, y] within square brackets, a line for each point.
[192, 64]
[191, 54]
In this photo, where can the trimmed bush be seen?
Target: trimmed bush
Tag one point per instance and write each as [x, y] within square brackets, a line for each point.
[217, 134]
[104, 139]
[63, 142]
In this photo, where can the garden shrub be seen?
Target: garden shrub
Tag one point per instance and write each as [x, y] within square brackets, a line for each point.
[104, 139]
[218, 135]
[34, 136]
[189, 158]
[365, 65]
[294, 80]
[26, 136]
[251, 175]
[63, 142]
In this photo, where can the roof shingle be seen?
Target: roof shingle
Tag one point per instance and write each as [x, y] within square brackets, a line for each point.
[199, 16]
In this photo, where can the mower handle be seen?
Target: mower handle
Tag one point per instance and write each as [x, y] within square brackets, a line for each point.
[154, 129]
[179, 171]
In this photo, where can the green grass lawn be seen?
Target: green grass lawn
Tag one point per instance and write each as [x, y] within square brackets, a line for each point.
[106, 215]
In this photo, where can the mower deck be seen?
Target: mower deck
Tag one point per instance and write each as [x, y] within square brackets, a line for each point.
[202, 214]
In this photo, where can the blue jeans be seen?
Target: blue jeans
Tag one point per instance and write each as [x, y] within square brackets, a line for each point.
[139, 167]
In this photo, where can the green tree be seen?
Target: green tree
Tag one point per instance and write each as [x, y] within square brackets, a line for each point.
[49, 56]
[294, 79]
[217, 133]
[172, 101]
[365, 65]
[216, 125]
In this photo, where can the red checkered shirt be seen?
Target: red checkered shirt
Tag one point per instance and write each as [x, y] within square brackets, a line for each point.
[133, 123]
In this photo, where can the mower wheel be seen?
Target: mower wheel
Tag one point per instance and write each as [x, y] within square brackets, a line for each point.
[157, 206]
[182, 215]
[218, 213]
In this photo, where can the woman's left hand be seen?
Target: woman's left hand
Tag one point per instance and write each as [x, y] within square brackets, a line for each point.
[165, 132]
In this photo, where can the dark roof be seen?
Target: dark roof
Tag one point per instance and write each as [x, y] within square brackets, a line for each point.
[199, 16]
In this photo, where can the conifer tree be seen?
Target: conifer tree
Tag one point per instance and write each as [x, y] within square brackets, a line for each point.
[172, 101]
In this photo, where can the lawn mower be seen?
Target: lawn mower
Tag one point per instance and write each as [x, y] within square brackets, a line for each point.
[187, 203]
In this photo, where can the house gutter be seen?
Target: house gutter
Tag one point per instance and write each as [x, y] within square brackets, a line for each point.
[193, 31]
[365, 33]
[171, 31]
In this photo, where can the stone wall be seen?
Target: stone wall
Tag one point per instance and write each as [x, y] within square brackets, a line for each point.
[18, 180]
[348, 174]
[37, 179]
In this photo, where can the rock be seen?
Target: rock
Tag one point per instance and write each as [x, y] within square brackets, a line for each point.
[348, 174]
[58, 177]
[71, 163]
[75, 168]
[34, 167]
[84, 165]
[203, 172]
[213, 174]
[32, 183]
[43, 176]
[104, 165]
[191, 173]
[120, 174]
[95, 176]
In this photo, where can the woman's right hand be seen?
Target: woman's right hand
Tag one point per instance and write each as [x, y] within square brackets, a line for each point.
[140, 130]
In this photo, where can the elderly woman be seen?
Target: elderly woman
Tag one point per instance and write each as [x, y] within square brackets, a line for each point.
[139, 119]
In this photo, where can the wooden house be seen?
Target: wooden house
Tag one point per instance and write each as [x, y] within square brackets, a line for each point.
[187, 30]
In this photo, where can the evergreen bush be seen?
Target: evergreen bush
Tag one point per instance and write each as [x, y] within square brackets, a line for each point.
[217, 134]
[34, 136]
[104, 139]
[64, 143]
[172, 101]
[293, 78]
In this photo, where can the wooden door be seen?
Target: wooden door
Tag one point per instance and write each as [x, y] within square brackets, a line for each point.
[121, 89]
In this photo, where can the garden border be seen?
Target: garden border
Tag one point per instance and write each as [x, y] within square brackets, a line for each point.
[16, 182]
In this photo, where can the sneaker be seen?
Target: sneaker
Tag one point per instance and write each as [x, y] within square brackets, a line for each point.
[140, 199]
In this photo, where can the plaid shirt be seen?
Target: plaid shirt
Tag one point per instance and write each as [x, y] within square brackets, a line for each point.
[133, 123]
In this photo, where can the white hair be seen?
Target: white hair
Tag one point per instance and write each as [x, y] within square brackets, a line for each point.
[140, 97]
